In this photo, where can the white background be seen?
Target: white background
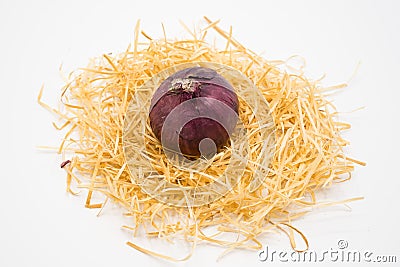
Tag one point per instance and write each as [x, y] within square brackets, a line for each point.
[41, 225]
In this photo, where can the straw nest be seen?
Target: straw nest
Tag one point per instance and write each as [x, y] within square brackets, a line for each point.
[308, 145]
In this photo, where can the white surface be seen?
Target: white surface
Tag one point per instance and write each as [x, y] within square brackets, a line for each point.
[41, 225]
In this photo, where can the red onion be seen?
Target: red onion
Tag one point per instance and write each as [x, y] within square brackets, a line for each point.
[191, 108]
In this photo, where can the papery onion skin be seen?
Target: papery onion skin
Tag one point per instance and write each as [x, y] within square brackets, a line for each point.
[206, 85]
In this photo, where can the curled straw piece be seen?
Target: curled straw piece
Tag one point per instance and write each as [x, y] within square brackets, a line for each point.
[309, 152]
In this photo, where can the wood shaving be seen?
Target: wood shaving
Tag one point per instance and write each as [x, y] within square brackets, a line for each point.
[309, 148]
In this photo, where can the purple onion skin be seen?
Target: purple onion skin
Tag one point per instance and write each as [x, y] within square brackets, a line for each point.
[189, 84]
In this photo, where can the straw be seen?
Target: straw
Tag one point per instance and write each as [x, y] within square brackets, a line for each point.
[309, 147]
